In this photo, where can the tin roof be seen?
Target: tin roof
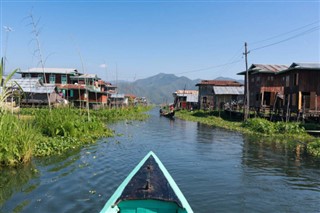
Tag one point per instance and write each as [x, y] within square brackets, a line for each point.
[50, 70]
[192, 98]
[86, 76]
[302, 66]
[187, 92]
[264, 68]
[305, 66]
[218, 90]
[31, 85]
[191, 95]
[117, 96]
[219, 83]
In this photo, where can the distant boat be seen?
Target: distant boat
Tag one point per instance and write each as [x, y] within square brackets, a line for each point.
[169, 114]
[148, 188]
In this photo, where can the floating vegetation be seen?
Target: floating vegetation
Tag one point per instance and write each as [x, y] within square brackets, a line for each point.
[278, 131]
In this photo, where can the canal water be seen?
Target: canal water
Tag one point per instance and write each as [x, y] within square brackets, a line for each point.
[217, 170]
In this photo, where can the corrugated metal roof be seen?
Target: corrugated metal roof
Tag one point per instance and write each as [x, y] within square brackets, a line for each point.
[305, 65]
[187, 92]
[273, 68]
[190, 97]
[218, 90]
[31, 85]
[117, 95]
[85, 76]
[265, 68]
[219, 83]
[50, 70]
[302, 66]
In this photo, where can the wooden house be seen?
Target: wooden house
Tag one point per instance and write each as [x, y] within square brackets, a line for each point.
[186, 99]
[80, 89]
[50, 75]
[116, 100]
[85, 89]
[208, 97]
[265, 87]
[228, 97]
[301, 83]
[34, 92]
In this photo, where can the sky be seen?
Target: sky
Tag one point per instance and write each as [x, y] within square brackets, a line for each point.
[131, 40]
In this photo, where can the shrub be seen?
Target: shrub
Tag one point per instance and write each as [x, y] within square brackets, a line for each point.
[259, 125]
[314, 148]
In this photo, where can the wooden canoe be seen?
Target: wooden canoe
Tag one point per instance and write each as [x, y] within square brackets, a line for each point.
[149, 188]
[167, 114]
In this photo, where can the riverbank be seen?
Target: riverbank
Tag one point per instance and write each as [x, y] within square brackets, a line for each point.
[40, 132]
[269, 131]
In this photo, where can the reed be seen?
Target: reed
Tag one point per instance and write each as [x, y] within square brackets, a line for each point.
[17, 140]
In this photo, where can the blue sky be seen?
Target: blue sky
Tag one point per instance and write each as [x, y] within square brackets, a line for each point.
[130, 40]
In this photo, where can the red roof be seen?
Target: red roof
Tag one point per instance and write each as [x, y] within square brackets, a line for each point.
[130, 96]
[219, 83]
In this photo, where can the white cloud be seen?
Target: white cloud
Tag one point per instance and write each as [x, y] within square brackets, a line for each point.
[103, 66]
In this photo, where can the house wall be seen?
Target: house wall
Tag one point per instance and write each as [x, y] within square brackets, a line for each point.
[220, 100]
[262, 83]
[205, 98]
[302, 89]
[47, 75]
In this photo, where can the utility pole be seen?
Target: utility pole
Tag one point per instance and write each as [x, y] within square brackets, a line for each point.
[247, 93]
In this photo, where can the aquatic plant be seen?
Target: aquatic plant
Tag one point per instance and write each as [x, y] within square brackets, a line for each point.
[17, 140]
[5, 91]
[313, 148]
[291, 132]
[259, 125]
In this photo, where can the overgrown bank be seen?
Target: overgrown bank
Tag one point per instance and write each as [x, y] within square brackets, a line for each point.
[279, 131]
[40, 132]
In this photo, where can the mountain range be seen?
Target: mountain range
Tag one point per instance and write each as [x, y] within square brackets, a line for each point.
[159, 88]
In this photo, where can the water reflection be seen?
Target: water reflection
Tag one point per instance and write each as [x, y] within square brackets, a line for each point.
[283, 171]
[13, 180]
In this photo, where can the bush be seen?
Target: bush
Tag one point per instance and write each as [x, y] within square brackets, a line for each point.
[314, 148]
[259, 125]
[289, 128]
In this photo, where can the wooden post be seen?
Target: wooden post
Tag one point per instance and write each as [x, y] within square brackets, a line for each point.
[247, 101]
[288, 108]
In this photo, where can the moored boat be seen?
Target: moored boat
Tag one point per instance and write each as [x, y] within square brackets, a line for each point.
[148, 188]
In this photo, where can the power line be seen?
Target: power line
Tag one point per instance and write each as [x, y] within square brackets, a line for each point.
[287, 39]
[279, 35]
[211, 67]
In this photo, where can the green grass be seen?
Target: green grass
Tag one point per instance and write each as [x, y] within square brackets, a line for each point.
[41, 132]
[17, 140]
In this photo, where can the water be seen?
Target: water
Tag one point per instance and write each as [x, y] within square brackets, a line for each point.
[217, 170]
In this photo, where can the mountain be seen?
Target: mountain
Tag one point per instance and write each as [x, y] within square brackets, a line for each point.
[159, 88]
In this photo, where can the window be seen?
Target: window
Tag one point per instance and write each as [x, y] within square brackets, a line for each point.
[52, 79]
[258, 79]
[63, 79]
[40, 77]
[287, 81]
[71, 93]
[296, 79]
[28, 75]
[271, 78]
